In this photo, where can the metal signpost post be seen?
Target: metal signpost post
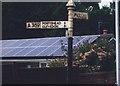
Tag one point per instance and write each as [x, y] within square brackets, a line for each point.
[71, 15]
[63, 24]
[70, 6]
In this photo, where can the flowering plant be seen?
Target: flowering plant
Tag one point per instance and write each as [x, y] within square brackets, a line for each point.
[98, 56]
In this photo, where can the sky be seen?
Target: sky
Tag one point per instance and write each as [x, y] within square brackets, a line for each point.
[105, 3]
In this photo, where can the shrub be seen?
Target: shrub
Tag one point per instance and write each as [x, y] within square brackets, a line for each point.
[98, 56]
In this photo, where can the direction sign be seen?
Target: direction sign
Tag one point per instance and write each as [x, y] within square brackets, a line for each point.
[47, 24]
[30, 25]
[80, 15]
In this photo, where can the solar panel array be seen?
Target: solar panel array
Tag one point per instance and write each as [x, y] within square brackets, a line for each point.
[39, 46]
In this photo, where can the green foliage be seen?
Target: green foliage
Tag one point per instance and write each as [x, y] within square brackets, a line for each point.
[56, 63]
[99, 56]
[85, 47]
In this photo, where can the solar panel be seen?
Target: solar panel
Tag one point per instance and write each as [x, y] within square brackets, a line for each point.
[13, 51]
[50, 42]
[60, 41]
[35, 51]
[6, 50]
[17, 43]
[27, 43]
[0, 44]
[39, 42]
[5, 43]
[57, 52]
[92, 39]
[23, 52]
[76, 40]
[40, 46]
[47, 51]
[0, 52]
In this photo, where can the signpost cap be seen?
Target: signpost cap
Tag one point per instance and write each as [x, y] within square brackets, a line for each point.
[70, 3]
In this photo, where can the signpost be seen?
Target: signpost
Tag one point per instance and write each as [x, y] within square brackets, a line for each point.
[70, 7]
[31, 25]
[63, 24]
[47, 24]
[80, 15]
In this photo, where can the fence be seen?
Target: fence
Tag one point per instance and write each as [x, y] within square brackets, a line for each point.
[16, 75]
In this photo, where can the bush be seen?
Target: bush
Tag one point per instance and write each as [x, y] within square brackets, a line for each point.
[99, 56]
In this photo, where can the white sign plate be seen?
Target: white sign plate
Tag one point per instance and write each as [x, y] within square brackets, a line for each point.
[80, 15]
[30, 25]
[47, 24]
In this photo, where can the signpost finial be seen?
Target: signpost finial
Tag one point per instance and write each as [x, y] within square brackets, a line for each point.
[70, 3]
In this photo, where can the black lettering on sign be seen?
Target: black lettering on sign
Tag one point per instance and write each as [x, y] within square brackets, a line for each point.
[44, 25]
[49, 26]
[75, 14]
[80, 15]
[59, 23]
[28, 25]
[64, 25]
[36, 25]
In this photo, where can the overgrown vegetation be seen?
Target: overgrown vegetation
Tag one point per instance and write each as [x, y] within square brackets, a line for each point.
[57, 63]
[99, 56]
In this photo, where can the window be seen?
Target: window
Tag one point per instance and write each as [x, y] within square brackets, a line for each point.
[43, 65]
